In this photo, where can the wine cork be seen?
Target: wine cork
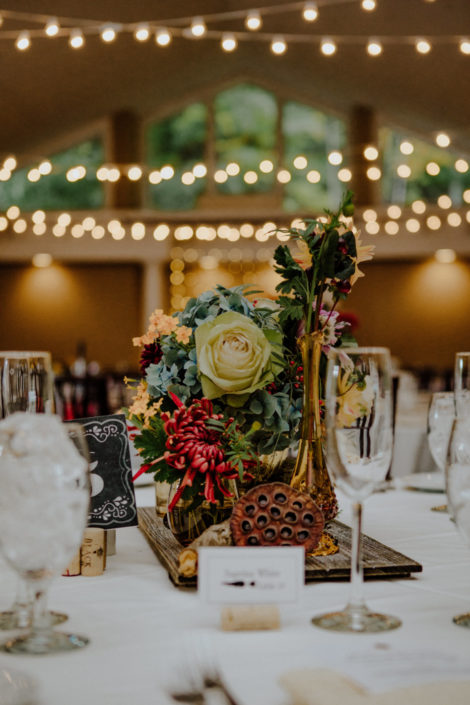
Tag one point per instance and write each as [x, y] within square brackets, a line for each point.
[93, 552]
[73, 567]
[250, 617]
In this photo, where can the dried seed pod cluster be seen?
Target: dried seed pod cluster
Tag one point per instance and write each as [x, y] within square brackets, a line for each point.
[274, 514]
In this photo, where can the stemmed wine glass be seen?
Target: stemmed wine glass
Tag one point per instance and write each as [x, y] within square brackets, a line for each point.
[440, 419]
[359, 440]
[458, 484]
[26, 384]
[462, 383]
[44, 501]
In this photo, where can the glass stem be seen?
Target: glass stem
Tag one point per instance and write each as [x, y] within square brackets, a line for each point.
[23, 604]
[41, 628]
[356, 600]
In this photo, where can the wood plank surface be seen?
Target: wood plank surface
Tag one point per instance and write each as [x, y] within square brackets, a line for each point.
[380, 561]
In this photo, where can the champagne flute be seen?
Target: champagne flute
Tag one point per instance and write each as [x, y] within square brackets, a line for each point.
[26, 384]
[44, 502]
[359, 440]
[458, 484]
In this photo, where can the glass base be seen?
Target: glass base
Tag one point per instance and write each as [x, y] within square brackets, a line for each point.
[10, 619]
[358, 620]
[46, 643]
[462, 620]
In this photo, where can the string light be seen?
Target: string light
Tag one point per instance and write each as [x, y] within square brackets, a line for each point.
[461, 165]
[418, 207]
[374, 47]
[45, 167]
[412, 225]
[394, 212]
[52, 27]
[278, 46]
[134, 173]
[299, 162]
[345, 175]
[423, 46]
[199, 171]
[433, 222]
[371, 153]
[335, 158]
[432, 168]
[391, 227]
[328, 47]
[23, 42]
[250, 177]
[403, 171]
[442, 139]
[465, 46]
[253, 21]
[76, 40]
[444, 201]
[229, 43]
[368, 5]
[198, 27]
[188, 178]
[313, 176]
[406, 148]
[108, 34]
[10, 163]
[373, 173]
[142, 32]
[162, 37]
[310, 12]
[167, 172]
[266, 166]
[454, 220]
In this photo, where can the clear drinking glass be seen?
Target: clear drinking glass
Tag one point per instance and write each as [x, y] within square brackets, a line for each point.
[458, 484]
[26, 384]
[462, 383]
[44, 500]
[359, 440]
[440, 419]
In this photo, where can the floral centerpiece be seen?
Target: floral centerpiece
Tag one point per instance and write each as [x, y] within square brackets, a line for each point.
[224, 381]
[217, 394]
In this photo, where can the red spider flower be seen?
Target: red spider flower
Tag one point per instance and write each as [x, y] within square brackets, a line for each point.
[196, 448]
[150, 355]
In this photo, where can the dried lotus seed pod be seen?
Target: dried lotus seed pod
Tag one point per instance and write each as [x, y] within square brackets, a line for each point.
[275, 514]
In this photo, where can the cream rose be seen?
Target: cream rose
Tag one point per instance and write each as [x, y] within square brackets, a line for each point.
[235, 357]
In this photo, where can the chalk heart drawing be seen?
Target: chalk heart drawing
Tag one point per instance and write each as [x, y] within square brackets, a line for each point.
[97, 482]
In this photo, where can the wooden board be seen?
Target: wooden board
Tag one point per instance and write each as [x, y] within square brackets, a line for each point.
[379, 560]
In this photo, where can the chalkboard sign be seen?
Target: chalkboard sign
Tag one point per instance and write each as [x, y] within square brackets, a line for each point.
[113, 502]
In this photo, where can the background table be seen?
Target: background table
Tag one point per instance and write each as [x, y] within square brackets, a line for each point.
[142, 628]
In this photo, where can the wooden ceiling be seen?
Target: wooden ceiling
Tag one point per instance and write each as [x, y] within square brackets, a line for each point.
[51, 92]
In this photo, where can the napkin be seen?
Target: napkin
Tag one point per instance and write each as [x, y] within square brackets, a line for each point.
[325, 687]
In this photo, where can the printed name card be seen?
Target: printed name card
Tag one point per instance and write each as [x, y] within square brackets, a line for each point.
[261, 575]
[113, 503]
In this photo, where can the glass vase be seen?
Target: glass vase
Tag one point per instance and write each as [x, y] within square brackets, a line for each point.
[310, 473]
[187, 523]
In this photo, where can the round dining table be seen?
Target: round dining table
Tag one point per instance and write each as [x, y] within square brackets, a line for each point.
[149, 638]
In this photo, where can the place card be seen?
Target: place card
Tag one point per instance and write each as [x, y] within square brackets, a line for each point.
[261, 575]
[113, 502]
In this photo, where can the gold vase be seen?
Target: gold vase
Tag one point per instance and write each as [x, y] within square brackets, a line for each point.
[310, 472]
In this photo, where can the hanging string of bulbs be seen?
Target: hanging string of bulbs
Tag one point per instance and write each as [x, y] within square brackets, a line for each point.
[195, 27]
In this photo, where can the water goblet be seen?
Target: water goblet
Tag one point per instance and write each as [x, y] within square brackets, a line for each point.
[44, 500]
[26, 384]
[458, 485]
[359, 440]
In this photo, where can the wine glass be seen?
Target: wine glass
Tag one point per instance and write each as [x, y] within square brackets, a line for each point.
[44, 500]
[359, 440]
[462, 383]
[458, 484]
[26, 384]
[440, 419]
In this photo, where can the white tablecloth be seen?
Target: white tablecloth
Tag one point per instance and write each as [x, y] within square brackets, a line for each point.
[142, 628]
